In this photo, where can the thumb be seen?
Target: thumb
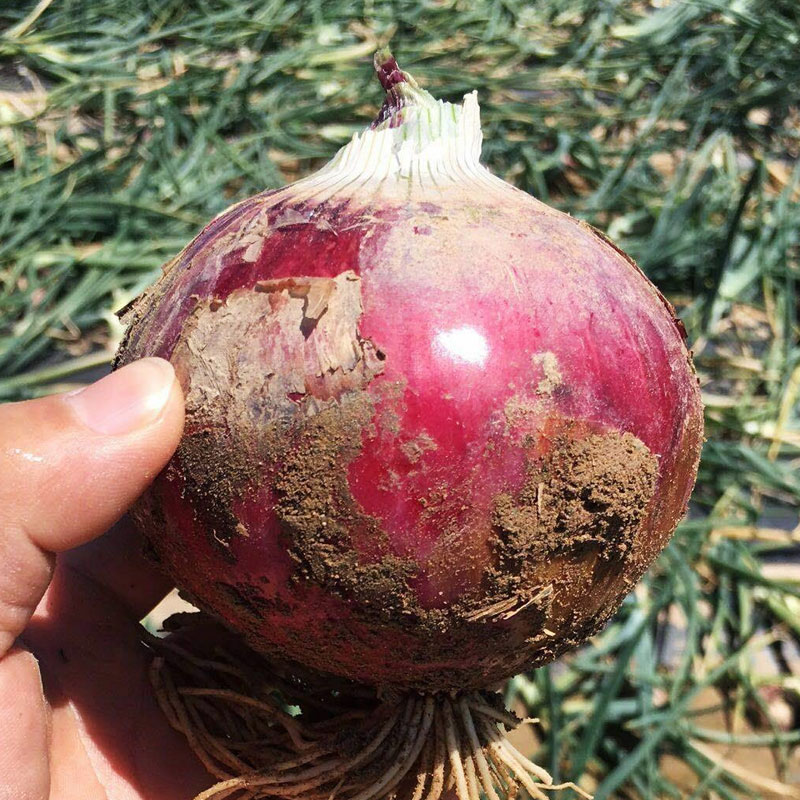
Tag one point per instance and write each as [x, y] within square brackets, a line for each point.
[70, 465]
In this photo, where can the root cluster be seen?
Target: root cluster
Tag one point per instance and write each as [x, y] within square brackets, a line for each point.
[265, 733]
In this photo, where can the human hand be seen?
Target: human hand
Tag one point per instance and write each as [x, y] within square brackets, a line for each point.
[70, 465]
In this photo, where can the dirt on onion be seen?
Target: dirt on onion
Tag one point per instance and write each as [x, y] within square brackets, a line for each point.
[435, 432]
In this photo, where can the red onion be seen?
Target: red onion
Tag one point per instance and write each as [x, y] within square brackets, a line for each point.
[436, 430]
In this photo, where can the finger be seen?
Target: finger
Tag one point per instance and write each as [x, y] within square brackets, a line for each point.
[116, 562]
[70, 465]
[24, 768]
[106, 719]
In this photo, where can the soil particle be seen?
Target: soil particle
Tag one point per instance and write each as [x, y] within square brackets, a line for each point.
[213, 470]
[243, 597]
[413, 449]
[551, 374]
[521, 412]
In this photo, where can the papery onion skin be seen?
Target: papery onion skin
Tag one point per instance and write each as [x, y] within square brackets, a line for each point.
[436, 430]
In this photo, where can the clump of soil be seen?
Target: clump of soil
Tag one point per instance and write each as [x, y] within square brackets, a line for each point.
[590, 493]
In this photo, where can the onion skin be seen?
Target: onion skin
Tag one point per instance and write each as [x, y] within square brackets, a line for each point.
[436, 430]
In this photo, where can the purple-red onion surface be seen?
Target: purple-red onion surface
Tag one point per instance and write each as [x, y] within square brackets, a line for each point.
[436, 430]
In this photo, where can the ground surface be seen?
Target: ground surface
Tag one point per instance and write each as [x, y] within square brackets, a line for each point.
[674, 126]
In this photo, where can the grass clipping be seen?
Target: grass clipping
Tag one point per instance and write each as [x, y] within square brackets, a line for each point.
[265, 732]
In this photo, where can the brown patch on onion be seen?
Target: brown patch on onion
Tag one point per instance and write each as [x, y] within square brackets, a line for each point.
[303, 335]
[319, 515]
[587, 493]
[551, 374]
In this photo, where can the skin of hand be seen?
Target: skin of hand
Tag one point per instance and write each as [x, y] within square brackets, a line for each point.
[78, 719]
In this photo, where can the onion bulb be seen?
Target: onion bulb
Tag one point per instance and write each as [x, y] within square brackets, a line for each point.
[435, 432]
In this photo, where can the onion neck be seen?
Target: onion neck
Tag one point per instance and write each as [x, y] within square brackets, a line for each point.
[402, 91]
[416, 142]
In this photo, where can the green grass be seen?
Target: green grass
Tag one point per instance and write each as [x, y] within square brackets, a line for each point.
[674, 126]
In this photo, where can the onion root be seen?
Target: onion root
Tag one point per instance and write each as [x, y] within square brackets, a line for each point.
[266, 732]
